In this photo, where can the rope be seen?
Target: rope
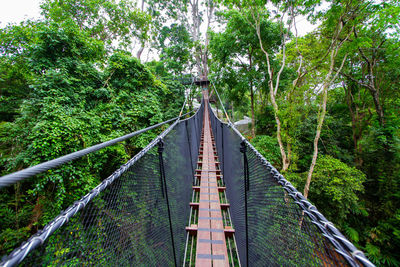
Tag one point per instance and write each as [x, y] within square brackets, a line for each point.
[12, 178]
[226, 114]
[36, 240]
[183, 106]
[342, 245]
[165, 193]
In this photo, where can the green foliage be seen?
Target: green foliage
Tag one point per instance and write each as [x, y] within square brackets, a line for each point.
[236, 55]
[71, 105]
[268, 147]
[382, 164]
[175, 44]
[15, 72]
[334, 188]
[104, 19]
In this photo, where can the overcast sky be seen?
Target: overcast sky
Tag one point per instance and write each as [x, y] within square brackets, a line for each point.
[18, 10]
[15, 11]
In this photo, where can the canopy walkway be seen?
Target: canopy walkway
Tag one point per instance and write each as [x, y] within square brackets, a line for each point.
[198, 195]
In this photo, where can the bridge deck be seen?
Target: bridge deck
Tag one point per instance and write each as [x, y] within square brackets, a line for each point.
[211, 243]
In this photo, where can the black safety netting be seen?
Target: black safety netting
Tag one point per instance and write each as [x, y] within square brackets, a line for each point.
[125, 220]
[283, 228]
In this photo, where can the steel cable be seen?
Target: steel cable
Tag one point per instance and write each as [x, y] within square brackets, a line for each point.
[12, 178]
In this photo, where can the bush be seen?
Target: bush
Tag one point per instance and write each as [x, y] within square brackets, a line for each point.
[268, 147]
[334, 188]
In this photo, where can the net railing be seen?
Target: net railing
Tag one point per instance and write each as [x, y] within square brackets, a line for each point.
[135, 217]
[274, 224]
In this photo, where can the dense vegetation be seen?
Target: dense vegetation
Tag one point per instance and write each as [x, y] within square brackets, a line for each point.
[63, 89]
[324, 106]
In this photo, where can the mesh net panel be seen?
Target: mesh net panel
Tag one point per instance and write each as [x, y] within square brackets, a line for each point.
[278, 232]
[127, 223]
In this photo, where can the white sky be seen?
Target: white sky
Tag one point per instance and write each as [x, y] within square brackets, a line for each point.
[15, 11]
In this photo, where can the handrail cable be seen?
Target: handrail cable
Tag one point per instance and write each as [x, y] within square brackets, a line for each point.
[183, 106]
[216, 91]
[17, 176]
[184, 103]
[41, 236]
[340, 242]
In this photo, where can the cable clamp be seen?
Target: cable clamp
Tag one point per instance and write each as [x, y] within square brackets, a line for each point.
[357, 253]
[326, 223]
[160, 146]
[243, 147]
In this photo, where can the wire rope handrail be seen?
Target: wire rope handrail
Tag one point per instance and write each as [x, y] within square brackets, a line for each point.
[36, 240]
[342, 245]
[17, 176]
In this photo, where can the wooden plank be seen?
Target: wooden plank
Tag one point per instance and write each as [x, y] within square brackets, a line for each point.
[211, 244]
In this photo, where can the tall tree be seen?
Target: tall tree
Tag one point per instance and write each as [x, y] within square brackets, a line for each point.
[284, 14]
[237, 50]
[368, 46]
[116, 23]
[339, 25]
[190, 14]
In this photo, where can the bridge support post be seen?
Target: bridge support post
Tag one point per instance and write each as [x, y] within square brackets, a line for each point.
[165, 193]
[246, 173]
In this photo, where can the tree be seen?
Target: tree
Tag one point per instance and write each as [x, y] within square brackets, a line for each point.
[284, 14]
[15, 72]
[175, 45]
[339, 25]
[237, 50]
[190, 15]
[370, 40]
[74, 105]
[110, 21]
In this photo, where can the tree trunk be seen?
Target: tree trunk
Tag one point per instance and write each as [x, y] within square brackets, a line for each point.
[335, 46]
[285, 160]
[321, 118]
[139, 53]
[327, 82]
[253, 120]
[356, 125]
[378, 107]
[273, 92]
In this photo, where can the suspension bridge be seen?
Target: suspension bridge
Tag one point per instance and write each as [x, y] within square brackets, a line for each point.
[197, 195]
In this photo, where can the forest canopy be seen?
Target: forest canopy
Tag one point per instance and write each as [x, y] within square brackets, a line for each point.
[323, 105]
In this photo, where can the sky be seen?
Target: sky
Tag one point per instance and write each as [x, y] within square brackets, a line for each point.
[15, 11]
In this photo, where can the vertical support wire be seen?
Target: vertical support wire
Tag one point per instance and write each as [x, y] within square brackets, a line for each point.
[190, 152]
[161, 165]
[223, 155]
[162, 175]
[246, 173]
[196, 129]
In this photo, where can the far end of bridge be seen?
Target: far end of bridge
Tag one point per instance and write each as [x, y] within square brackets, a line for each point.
[211, 240]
